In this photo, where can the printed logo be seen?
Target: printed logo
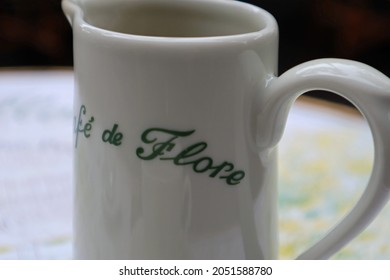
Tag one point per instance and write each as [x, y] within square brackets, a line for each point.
[161, 143]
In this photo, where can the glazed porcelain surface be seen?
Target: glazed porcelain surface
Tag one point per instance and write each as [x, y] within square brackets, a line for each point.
[177, 115]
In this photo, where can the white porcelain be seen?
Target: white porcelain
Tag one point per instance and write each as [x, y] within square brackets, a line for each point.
[176, 131]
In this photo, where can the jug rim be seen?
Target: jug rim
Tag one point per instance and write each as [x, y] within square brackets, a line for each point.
[75, 14]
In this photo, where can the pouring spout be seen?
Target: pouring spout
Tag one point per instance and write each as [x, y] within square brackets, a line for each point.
[70, 8]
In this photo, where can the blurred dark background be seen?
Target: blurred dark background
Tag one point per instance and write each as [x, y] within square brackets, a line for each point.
[36, 33]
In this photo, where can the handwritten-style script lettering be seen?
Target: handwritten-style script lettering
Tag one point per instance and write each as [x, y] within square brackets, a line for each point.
[161, 144]
[79, 127]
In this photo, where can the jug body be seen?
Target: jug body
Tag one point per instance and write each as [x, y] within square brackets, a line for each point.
[166, 163]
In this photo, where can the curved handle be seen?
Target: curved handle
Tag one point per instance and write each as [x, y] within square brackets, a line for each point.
[369, 91]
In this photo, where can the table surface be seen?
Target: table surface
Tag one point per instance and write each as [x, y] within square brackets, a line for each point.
[330, 150]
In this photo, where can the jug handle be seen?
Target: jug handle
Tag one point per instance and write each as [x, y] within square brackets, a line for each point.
[366, 88]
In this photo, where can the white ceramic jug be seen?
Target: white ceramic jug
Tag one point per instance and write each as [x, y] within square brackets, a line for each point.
[178, 113]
